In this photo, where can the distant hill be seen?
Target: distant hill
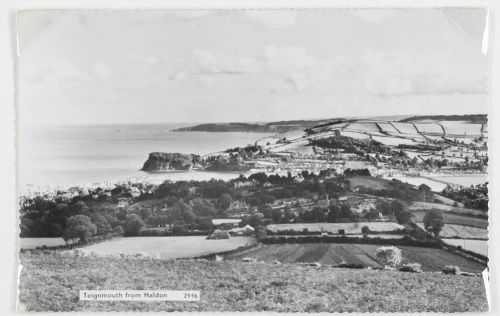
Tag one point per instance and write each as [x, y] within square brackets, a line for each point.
[272, 127]
[286, 126]
[472, 118]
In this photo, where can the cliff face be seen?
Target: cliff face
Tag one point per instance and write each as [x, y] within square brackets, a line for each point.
[158, 161]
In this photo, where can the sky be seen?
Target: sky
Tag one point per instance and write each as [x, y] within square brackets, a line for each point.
[101, 67]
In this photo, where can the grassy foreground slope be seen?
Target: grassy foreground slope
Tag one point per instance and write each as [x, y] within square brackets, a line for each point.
[51, 281]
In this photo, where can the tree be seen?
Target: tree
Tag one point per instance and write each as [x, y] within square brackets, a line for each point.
[276, 216]
[146, 213]
[390, 256]
[203, 223]
[288, 215]
[434, 222]
[112, 220]
[345, 211]
[182, 211]
[158, 221]
[78, 207]
[118, 230]
[101, 223]
[404, 217]
[54, 229]
[79, 227]
[225, 201]
[259, 177]
[318, 215]
[425, 192]
[133, 225]
[397, 206]
[266, 210]
[333, 213]
[203, 207]
[188, 217]
[383, 207]
[254, 220]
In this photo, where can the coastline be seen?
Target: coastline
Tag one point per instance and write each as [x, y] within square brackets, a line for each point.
[32, 190]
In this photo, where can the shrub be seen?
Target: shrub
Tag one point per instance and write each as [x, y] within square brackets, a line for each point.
[411, 267]
[261, 233]
[451, 270]
[365, 230]
[219, 234]
[390, 256]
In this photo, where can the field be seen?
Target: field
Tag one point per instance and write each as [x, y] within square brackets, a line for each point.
[50, 282]
[461, 231]
[218, 221]
[431, 259]
[434, 138]
[31, 243]
[167, 247]
[354, 164]
[405, 128]
[394, 141]
[461, 129]
[474, 245]
[452, 218]
[434, 185]
[363, 126]
[350, 228]
[304, 150]
[444, 208]
[388, 128]
[465, 180]
[369, 182]
[431, 128]
[356, 135]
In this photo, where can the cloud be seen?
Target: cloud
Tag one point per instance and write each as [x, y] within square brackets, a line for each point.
[210, 62]
[292, 65]
[140, 59]
[179, 76]
[388, 74]
[65, 70]
[300, 69]
[100, 71]
[398, 73]
[272, 18]
[207, 80]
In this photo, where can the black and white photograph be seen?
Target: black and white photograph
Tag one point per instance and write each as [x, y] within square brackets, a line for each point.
[287, 160]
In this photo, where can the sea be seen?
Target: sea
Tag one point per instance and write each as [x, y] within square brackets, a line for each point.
[65, 156]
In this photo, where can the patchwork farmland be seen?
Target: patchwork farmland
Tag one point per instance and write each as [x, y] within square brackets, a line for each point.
[431, 259]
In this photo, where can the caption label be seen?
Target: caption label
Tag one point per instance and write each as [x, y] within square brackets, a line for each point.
[131, 295]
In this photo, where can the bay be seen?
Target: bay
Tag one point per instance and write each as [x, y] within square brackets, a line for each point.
[85, 154]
